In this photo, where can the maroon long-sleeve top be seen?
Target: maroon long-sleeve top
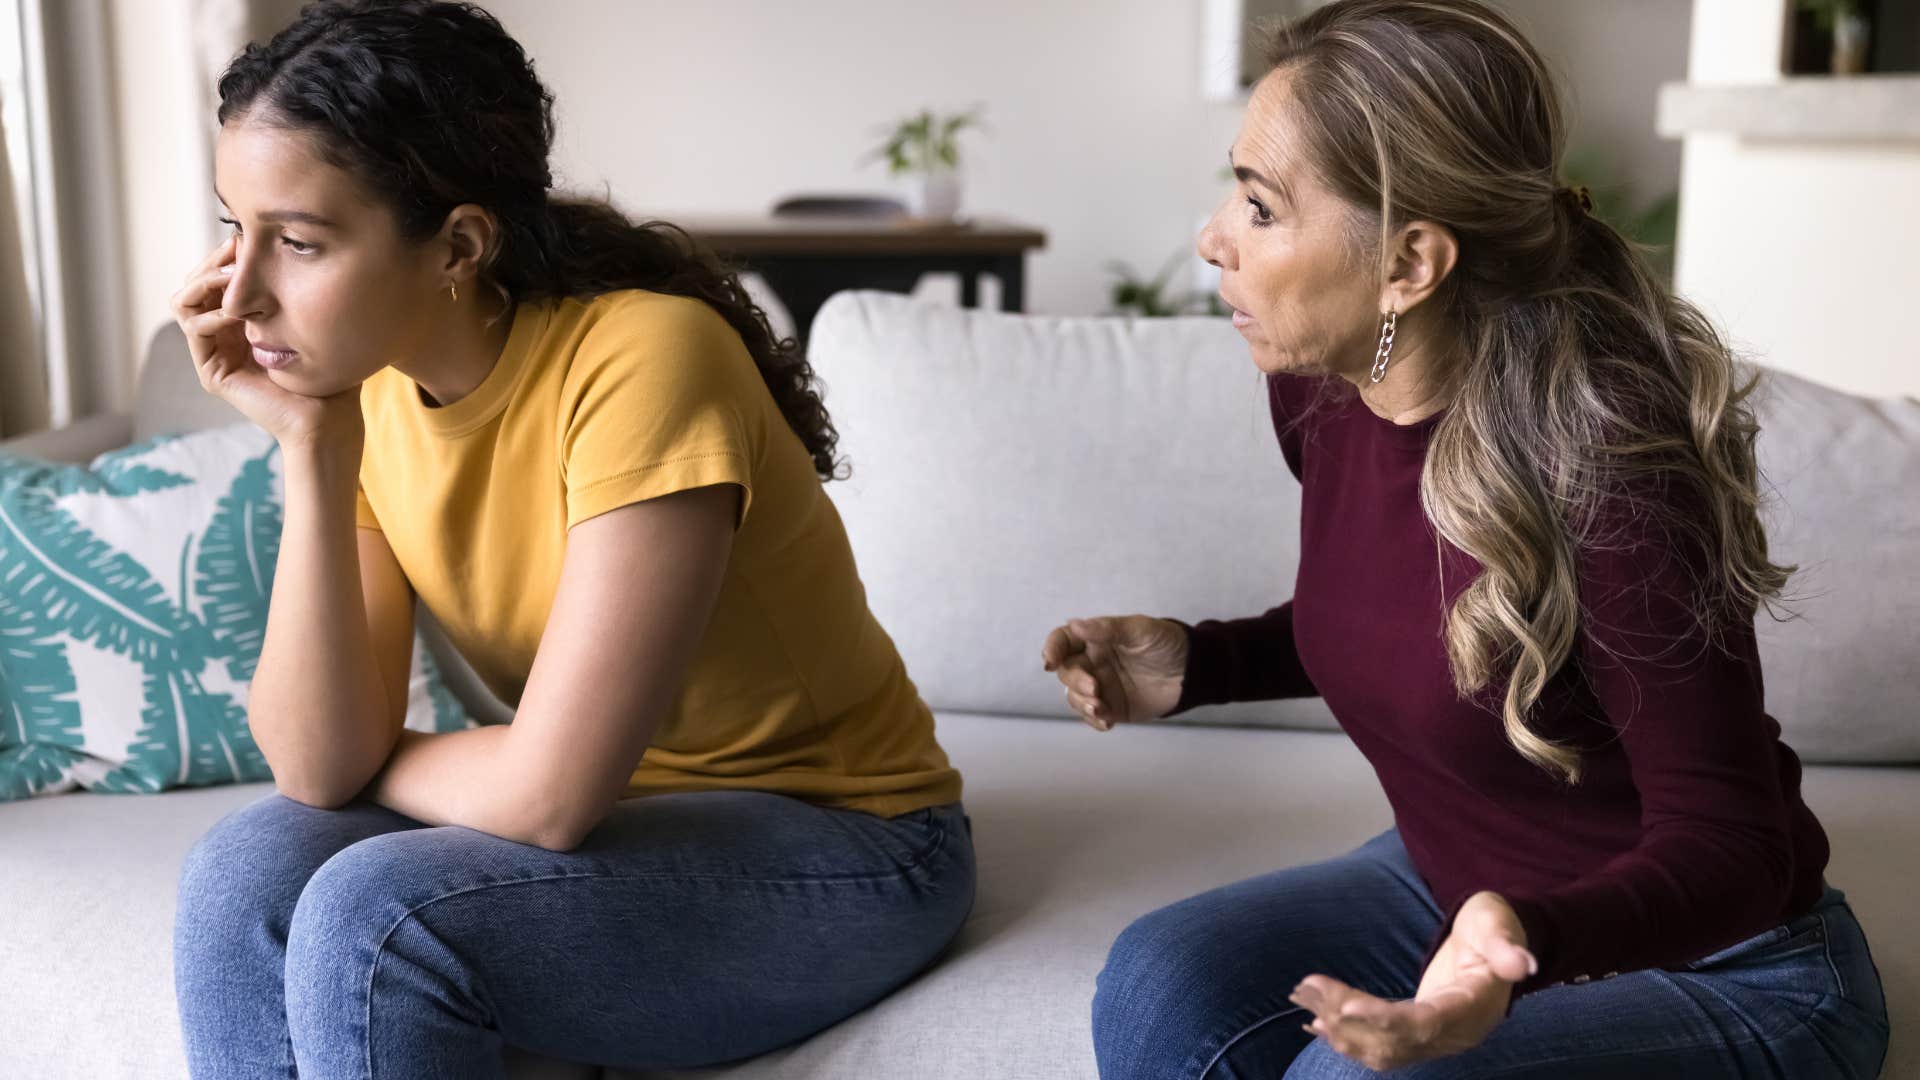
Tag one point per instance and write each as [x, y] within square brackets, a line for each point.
[1686, 832]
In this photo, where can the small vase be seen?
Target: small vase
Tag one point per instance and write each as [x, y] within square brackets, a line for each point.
[934, 196]
[1850, 44]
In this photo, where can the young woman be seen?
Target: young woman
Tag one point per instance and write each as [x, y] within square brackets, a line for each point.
[1529, 568]
[577, 442]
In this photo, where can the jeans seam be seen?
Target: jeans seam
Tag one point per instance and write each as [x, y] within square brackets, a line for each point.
[1804, 1019]
[1826, 953]
[1241, 1034]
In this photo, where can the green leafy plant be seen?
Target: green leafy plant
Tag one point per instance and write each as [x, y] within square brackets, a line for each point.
[1828, 12]
[1132, 294]
[926, 141]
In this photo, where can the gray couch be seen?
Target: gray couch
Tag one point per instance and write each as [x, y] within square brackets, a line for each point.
[1010, 471]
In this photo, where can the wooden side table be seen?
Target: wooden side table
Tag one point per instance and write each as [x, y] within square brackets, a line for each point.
[807, 258]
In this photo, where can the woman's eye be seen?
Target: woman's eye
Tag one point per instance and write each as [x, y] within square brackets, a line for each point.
[231, 223]
[1261, 215]
[297, 247]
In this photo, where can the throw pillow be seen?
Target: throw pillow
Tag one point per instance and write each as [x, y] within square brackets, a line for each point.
[133, 603]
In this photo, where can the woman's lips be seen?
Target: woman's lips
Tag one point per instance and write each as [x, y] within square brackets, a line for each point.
[273, 358]
[1241, 320]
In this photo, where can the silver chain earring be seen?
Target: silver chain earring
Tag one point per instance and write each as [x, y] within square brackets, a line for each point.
[1385, 353]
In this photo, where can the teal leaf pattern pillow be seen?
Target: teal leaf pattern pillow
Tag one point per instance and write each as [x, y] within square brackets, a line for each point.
[133, 604]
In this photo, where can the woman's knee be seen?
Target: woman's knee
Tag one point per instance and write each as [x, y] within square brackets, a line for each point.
[243, 861]
[1163, 995]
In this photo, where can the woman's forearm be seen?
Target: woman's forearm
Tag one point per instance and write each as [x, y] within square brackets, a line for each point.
[316, 706]
[469, 778]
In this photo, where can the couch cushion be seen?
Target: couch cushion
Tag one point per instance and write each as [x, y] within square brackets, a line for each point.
[1845, 479]
[1077, 833]
[1009, 472]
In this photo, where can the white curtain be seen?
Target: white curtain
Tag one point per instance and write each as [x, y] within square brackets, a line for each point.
[23, 376]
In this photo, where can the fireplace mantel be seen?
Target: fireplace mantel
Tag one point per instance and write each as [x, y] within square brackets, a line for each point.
[1861, 107]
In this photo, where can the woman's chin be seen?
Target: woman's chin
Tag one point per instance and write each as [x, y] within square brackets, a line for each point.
[305, 383]
[1274, 362]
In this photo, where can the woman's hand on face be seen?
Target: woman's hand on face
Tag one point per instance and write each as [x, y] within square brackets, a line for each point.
[1462, 997]
[1118, 668]
[224, 360]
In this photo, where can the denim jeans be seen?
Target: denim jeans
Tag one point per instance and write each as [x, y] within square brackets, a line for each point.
[1199, 989]
[688, 929]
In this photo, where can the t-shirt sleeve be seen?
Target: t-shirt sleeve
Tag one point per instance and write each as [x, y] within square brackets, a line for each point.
[363, 515]
[661, 396]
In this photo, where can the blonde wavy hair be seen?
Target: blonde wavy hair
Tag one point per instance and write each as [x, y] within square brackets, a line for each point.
[1580, 376]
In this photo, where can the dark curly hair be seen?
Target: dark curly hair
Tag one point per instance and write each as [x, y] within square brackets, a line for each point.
[432, 105]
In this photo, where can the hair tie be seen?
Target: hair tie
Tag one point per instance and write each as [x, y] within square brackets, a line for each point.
[1581, 197]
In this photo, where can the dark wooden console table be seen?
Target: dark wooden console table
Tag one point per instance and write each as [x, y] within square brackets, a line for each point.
[807, 258]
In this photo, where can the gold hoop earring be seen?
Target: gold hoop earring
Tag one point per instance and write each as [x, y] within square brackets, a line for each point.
[1385, 353]
[455, 290]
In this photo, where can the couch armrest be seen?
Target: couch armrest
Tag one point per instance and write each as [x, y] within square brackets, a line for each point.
[78, 442]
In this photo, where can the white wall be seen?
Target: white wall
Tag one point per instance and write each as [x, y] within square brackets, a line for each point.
[1097, 130]
[1802, 250]
[1610, 59]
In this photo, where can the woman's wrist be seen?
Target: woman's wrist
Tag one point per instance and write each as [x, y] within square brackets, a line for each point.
[329, 464]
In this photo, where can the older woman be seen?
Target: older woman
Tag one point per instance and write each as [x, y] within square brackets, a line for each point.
[1530, 564]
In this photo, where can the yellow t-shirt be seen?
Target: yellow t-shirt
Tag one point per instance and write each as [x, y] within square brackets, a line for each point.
[598, 403]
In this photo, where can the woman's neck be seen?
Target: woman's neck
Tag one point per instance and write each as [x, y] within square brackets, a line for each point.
[463, 352]
[1412, 389]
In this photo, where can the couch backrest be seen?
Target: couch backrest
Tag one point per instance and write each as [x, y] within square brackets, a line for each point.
[1010, 471]
[169, 399]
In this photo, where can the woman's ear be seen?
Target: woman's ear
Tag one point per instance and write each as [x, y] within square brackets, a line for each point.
[468, 234]
[1424, 253]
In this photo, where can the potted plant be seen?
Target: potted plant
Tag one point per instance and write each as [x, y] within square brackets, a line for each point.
[1847, 23]
[925, 149]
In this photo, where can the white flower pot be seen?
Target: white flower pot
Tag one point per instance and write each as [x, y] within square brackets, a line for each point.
[1850, 44]
[934, 196]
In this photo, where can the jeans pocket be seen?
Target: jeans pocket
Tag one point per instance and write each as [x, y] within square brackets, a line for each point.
[1801, 936]
[1796, 953]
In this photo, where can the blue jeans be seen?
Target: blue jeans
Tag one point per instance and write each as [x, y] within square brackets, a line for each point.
[1199, 989]
[688, 929]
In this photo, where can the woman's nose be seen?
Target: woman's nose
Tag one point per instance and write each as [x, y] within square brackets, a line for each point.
[244, 296]
[1212, 244]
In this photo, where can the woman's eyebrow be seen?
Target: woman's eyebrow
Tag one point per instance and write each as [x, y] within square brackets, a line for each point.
[1247, 175]
[275, 217]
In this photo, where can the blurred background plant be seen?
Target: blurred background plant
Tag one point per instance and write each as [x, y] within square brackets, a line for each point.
[1134, 294]
[925, 142]
[1650, 221]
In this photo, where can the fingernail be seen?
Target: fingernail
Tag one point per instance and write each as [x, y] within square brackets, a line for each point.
[228, 269]
[1533, 965]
